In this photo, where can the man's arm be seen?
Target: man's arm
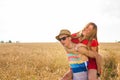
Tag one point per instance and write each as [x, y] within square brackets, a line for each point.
[67, 76]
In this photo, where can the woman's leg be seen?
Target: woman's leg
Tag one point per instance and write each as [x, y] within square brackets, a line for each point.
[99, 63]
[92, 74]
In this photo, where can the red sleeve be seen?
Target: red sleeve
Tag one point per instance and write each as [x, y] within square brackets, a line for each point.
[74, 35]
[85, 42]
[94, 43]
[75, 40]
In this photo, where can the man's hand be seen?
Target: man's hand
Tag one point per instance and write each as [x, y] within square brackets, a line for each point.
[67, 76]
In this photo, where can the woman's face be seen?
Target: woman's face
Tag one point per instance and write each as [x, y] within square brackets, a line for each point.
[87, 30]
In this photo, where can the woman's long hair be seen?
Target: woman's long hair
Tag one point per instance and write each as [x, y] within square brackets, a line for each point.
[92, 35]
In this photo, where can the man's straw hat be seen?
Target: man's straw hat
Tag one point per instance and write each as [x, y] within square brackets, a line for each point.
[63, 32]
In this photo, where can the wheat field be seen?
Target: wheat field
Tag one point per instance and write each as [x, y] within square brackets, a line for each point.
[48, 61]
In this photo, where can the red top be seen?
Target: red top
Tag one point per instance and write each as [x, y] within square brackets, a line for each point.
[75, 40]
[92, 62]
[94, 43]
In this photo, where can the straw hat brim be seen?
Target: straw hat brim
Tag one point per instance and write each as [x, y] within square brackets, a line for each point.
[57, 37]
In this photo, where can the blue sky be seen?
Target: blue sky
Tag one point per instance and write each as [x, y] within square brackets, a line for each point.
[41, 20]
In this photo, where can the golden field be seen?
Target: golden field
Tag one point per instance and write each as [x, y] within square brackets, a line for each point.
[48, 61]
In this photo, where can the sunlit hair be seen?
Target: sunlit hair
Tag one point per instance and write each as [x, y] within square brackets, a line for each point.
[93, 34]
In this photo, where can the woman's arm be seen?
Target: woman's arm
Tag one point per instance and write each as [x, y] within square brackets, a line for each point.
[94, 49]
[85, 51]
[71, 50]
[91, 53]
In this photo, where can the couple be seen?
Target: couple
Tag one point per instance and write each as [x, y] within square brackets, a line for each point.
[82, 53]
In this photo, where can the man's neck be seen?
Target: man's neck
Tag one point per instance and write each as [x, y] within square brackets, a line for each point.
[70, 46]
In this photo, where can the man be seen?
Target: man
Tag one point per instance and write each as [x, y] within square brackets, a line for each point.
[76, 55]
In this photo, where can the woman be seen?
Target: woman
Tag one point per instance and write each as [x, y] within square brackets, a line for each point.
[90, 39]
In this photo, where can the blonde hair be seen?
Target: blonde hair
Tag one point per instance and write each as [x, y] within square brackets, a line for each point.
[93, 33]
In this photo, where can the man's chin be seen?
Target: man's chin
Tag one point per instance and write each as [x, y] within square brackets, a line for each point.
[64, 44]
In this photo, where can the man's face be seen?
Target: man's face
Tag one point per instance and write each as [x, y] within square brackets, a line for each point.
[64, 40]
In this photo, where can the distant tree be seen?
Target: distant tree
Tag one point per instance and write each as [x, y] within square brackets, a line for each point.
[9, 41]
[1, 41]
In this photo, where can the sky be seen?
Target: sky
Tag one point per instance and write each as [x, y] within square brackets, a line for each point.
[41, 20]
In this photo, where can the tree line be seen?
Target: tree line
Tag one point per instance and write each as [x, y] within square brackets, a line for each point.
[9, 41]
